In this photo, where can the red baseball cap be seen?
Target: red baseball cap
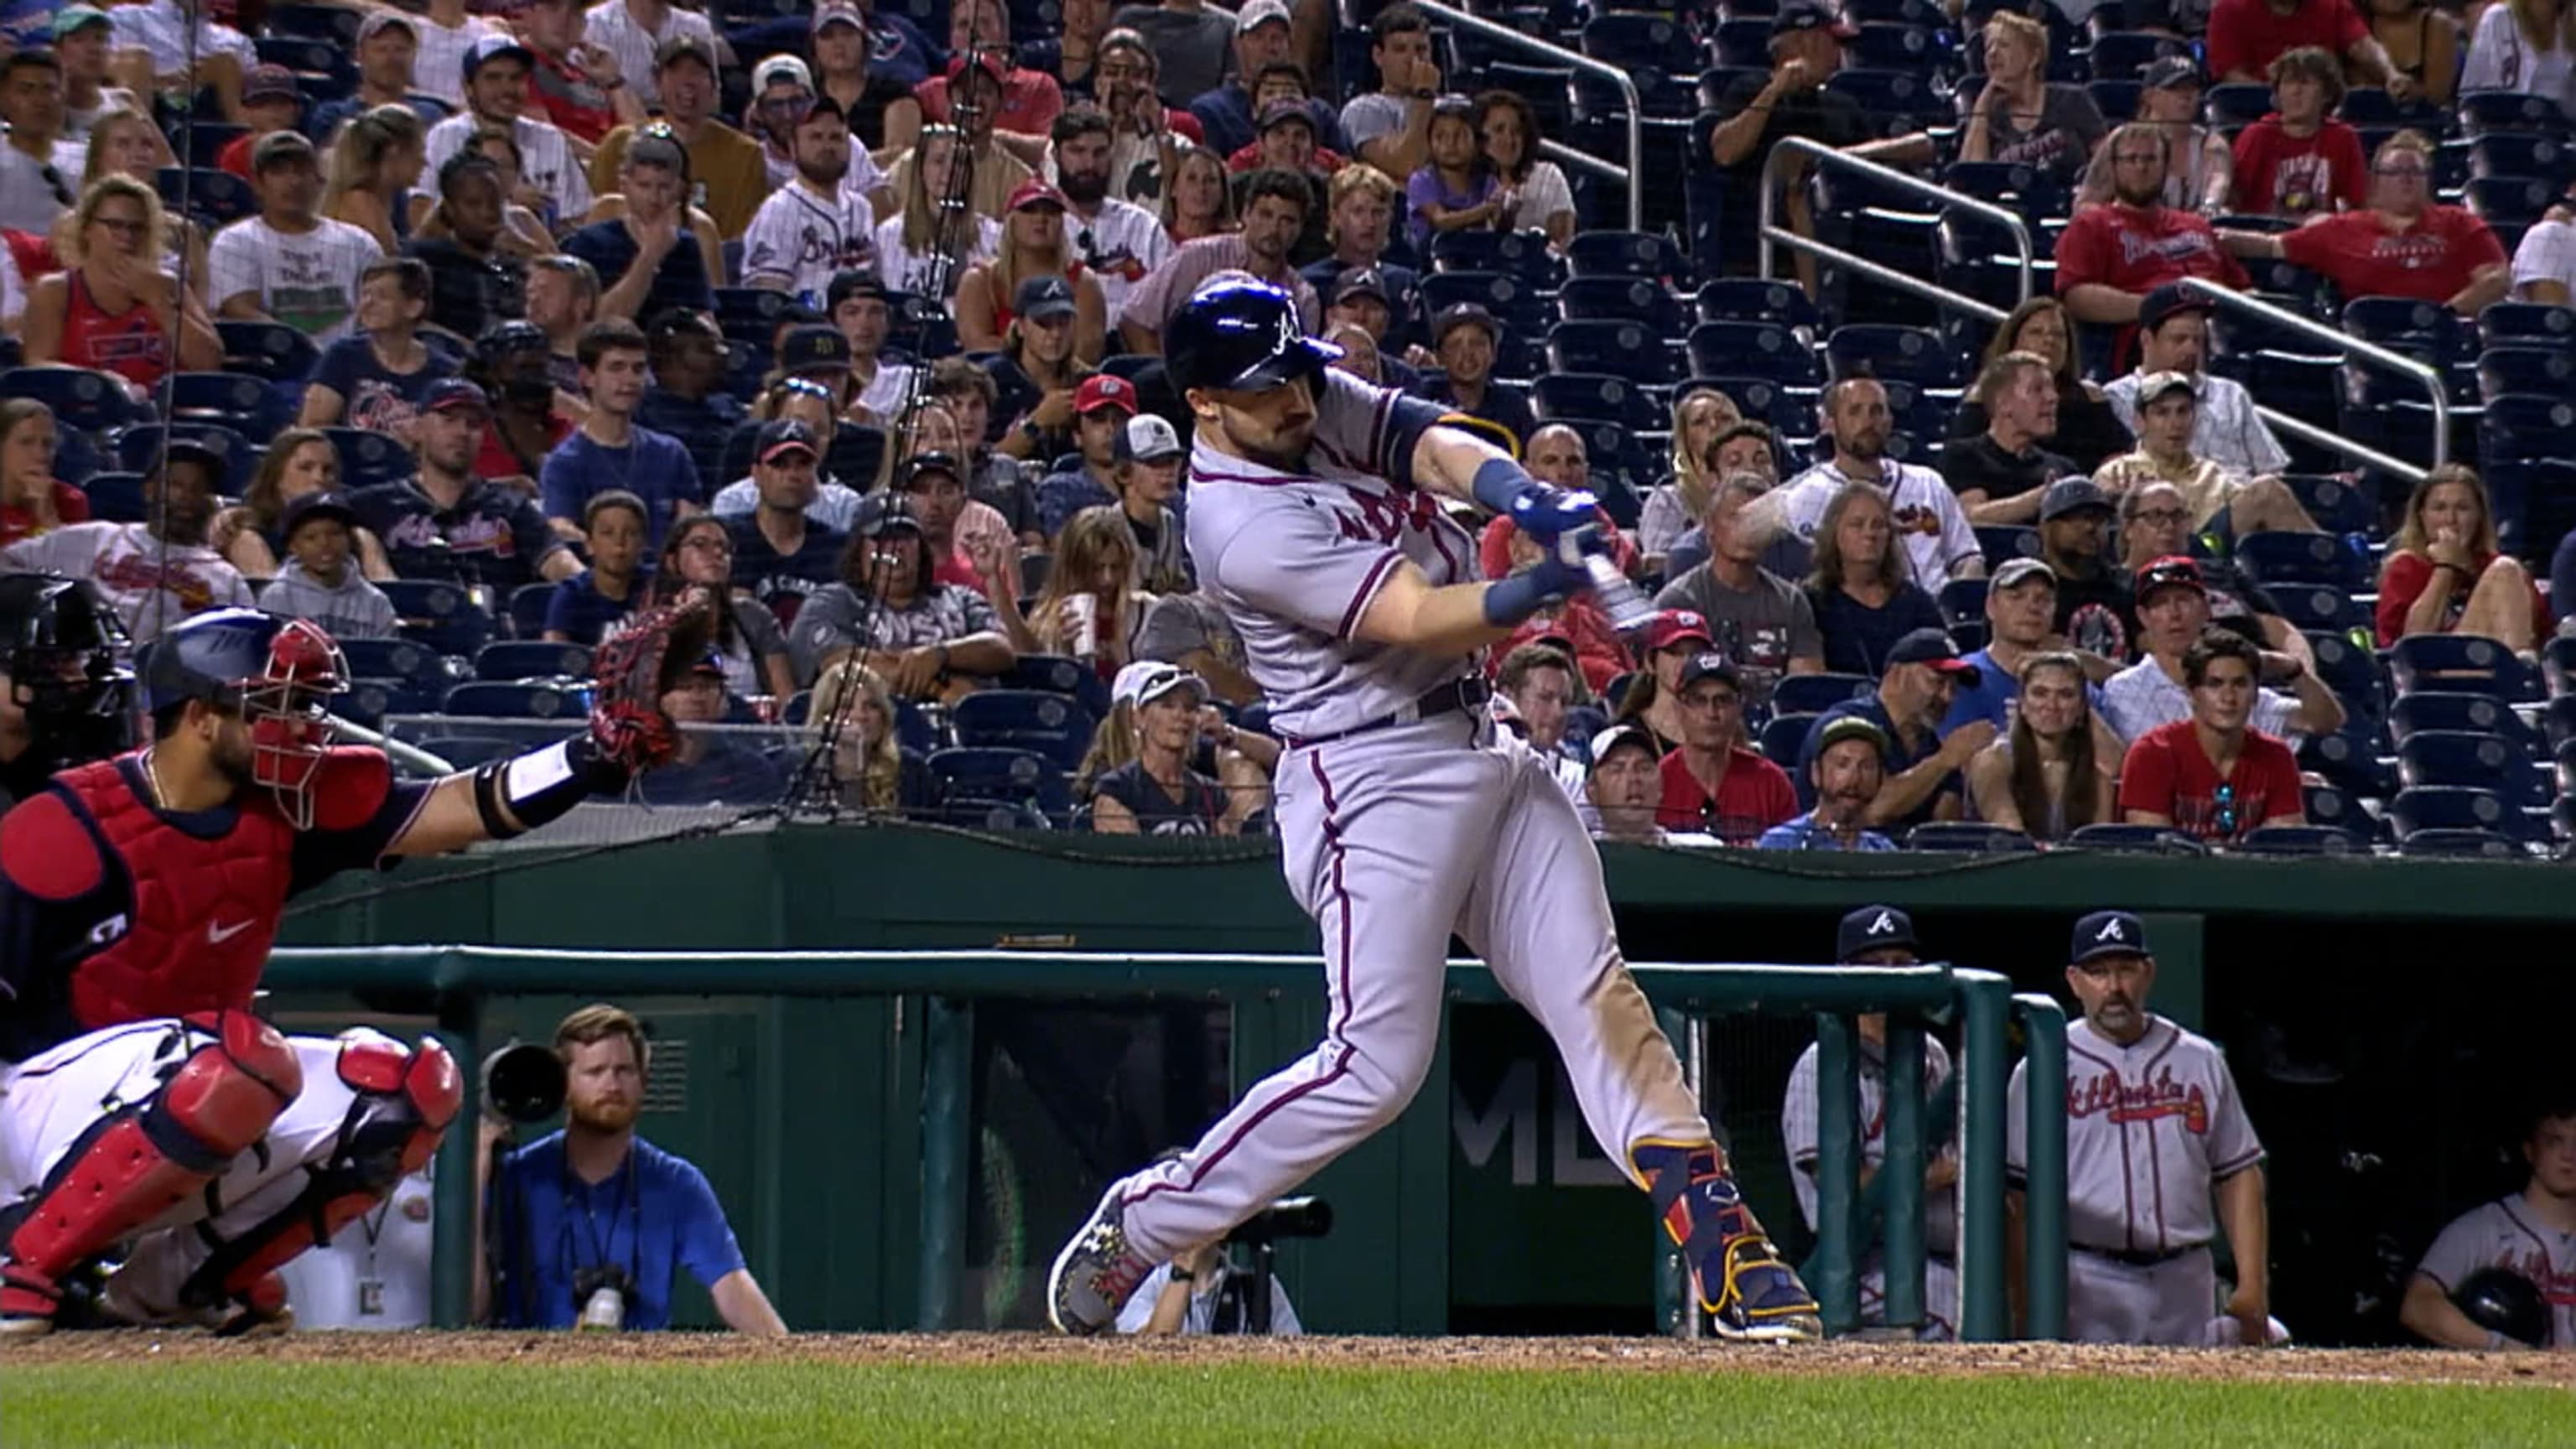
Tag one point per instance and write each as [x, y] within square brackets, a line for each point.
[1678, 626]
[1105, 390]
[1035, 192]
[2172, 569]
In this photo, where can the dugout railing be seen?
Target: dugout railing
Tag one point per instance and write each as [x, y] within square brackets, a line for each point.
[460, 979]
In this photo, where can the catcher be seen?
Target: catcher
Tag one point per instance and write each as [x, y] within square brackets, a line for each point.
[140, 1100]
[2503, 1275]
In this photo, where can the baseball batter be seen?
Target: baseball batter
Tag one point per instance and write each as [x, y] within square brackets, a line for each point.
[140, 1100]
[2531, 1233]
[1881, 936]
[2153, 1125]
[1316, 523]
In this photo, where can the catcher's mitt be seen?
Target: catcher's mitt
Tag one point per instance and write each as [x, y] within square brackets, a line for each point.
[643, 659]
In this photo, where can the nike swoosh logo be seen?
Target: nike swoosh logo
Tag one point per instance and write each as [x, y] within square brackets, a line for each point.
[220, 934]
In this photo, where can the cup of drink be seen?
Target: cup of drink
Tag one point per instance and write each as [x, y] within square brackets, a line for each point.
[1086, 624]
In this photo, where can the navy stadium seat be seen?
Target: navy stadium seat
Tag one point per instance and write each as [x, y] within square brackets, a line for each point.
[1597, 254]
[206, 140]
[1762, 400]
[239, 400]
[94, 402]
[2438, 843]
[2336, 505]
[214, 198]
[1968, 836]
[138, 448]
[2451, 807]
[113, 497]
[2463, 662]
[1891, 46]
[2117, 100]
[1514, 302]
[528, 604]
[1059, 674]
[368, 457]
[2122, 54]
[2558, 662]
[2332, 807]
[1815, 693]
[2441, 709]
[2527, 324]
[2279, 559]
[520, 659]
[2317, 607]
[1622, 299]
[1894, 101]
[271, 350]
[1963, 600]
[2503, 371]
[1593, 397]
[2350, 669]
[1752, 349]
[2350, 757]
[490, 699]
[1518, 254]
[407, 660]
[2111, 836]
[2235, 104]
[1621, 349]
[1750, 299]
[1013, 775]
[1784, 737]
[2473, 759]
[1026, 719]
[2299, 840]
[2001, 543]
[333, 24]
[2482, 112]
[2514, 153]
[442, 615]
[1909, 354]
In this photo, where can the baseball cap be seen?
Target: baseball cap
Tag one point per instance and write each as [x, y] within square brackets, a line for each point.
[1852, 727]
[784, 435]
[831, 14]
[1042, 299]
[453, 394]
[1627, 732]
[317, 505]
[2072, 494]
[2017, 571]
[2109, 933]
[281, 148]
[1260, 12]
[1931, 646]
[854, 282]
[2156, 385]
[379, 21]
[269, 83]
[1104, 390]
[497, 46]
[1464, 314]
[1361, 282]
[649, 149]
[1873, 928]
[183, 449]
[72, 19]
[711, 662]
[991, 62]
[788, 68]
[509, 338]
[2167, 302]
[813, 347]
[1148, 680]
[2169, 72]
[2171, 571]
[929, 461]
[883, 513]
[1148, 438]
[684, 47]
[1678, 626]
[1034, 192]
[1708, 664]
[1282, 111]
[1795, 17]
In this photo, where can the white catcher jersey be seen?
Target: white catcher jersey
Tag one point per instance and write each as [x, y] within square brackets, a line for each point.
[2505, 1234]
[2150, 1128]
[1295, 558]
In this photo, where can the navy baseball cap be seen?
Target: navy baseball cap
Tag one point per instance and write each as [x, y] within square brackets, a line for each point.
[813, 347]
[317, 505]
[1795, 16]
[855, 282]
[883, 513]
[2168, 72]
[2169, 301]
[1931, 646]
[781, 436]
[2109, 933]
[1873, 928]
[932, 461]
[1709, 664]
[2073, 493]
[1044, 298]
[452, 394]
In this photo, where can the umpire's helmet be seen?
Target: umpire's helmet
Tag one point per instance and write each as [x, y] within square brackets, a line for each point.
[59, 648]
[2503, 1301]
[1239, 334]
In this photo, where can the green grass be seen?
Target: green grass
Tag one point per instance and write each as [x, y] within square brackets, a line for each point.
[1141, 1404]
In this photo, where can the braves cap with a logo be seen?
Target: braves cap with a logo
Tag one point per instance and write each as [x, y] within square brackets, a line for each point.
[1873, 928]
[2109, 933]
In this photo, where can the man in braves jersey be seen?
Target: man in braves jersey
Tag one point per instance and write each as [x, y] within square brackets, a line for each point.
[2155, 1131]
[2532, 1233]
[1117, 240]
[140, 1100]
[2110, 257]
[814, 226]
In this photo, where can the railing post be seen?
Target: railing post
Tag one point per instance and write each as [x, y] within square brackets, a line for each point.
[947, 1148]
[1504, 35]
[1985, 1312]
[1901, 1224]
[1831, 159]
[1837, 1172]
[455, 1176]
[1676, 1306]
[2044, 1145]
[2397, 362]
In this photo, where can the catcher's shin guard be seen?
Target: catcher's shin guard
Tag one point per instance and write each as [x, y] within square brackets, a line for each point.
[142, 1160]
[405, 1097]
[1749, 1290]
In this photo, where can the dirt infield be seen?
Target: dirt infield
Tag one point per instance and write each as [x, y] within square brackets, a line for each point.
[1629, 1354]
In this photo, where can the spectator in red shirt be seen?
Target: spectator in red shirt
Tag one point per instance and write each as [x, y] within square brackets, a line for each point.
[2111, 256]
[32, 499]
[1031, 99]
[1713, 784]
[2444, 575]
[2246, 36]
[270, 102]
[2213, 776]
[575, 84]
[2299, 160]
[2403, 245]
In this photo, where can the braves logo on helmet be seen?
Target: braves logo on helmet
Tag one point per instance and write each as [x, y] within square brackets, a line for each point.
[1238, 334]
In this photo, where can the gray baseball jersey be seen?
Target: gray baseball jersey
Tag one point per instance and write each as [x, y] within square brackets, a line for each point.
[1798, 1133]
[2505, 1234]
[1296, 558]
[2150, 1128]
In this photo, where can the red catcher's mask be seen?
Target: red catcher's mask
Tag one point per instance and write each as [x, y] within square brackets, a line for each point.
[287, 709]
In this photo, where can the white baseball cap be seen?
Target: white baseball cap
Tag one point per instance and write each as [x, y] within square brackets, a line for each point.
[1149, 438]
[1147, 680]
[1260, 12]
[781, 68]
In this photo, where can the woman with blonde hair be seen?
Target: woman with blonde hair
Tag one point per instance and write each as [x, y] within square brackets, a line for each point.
[2522, 45]
[1862, 590]
[1199, 202]
[872, 772]
[1033, 247]
[1139, 777]
[377, 158]
[1095, 558]
[2049, 777]
[2445, 575]
[2022, 118]
[299, 461]
[115, 309]
[912, 239]
[1675, 507]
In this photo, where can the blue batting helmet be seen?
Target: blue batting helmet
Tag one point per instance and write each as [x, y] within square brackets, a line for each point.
[1239, 334]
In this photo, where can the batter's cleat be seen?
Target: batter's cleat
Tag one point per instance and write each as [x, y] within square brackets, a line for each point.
[1095, 1273]
[1750, 1292]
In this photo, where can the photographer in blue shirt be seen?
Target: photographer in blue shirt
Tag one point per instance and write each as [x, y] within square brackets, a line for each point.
[590, 1226]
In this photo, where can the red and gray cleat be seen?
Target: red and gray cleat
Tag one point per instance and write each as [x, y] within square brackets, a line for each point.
[1750, 1292]
[1095, 1273]
[256, 1312]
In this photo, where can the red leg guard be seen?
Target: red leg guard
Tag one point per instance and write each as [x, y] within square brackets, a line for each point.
[146, 1159]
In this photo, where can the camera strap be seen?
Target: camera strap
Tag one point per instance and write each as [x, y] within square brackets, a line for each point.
[626, 1200]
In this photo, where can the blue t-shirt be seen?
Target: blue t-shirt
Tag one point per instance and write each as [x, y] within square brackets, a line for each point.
[375, 397]
[1900, 757]
[652, 466]
[1063, 494]
[1804, 834]
[654, 1217]
[581, 613]
[681, 280]
[1857, 637]
[1991, 699]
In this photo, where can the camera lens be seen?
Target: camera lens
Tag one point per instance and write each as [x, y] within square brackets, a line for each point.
[523, 1082]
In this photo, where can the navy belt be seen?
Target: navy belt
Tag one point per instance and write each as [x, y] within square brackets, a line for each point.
[1466, 692]
[2138, 1259]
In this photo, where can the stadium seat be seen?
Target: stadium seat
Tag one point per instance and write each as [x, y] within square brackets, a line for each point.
[2235, 105]
[93, 402]
[1058, 674]
[402, 659]
[2299, 840]
[368, 457]
[2509, 204]
[1743, 42]
[213, 198]
[441, 615]
[2025, 189]
[1594, 255]
[1752, 349]
[2442, 709]
[1025, 719]
[856, 456]
[1815, 693]
[2464, 662]
[489, 699]
[1909, 354]
[2122, 54]
[2337, 506]
[1969, 837]
[1017, 776]
[2530, 370]
[512, 660]
[1762, 400]
[1520, 255]
[2402, 324]
[1785, 736]
[2519, 426]
[1514, 302]
[1622, 299]
[2558, 663]
[331, 24]
[2442, 843]
[528, 604]
[138, 448]
[1621, 349]
[206, 140]
[2162, 839]
[2350, 669]
[2332, 807]
[2475, 760]
[1749, 299]
[966, 813]
[271, 350]
[1963, 600]
[2283, 559]
[1894, 101]
[2485, 112]
[2001, 543]
[2515, 153]
[1892, 46]
[2527, 324]
[2451, 807]
[751, 314]
[2351, 758]
[240, 400]
[113, 497]
[2117, 100]
[1593, 397]
[2314, 608]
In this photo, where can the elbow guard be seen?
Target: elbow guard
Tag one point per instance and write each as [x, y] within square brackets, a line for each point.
[541, 786]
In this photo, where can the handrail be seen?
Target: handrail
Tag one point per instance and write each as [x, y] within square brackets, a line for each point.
[2227, 300]
[1825, 155]
[1505, 35]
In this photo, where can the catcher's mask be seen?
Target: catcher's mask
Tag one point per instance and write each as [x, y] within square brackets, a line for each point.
[277, 674]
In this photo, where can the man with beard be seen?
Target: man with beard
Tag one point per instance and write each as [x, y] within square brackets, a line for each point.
[1849, 767]
[151, 574]
[2002, 474]
[1118, 241]
[782, 552]
[729, 175]
[813, 227]
[626, 1216]
[447, 522]
[687, 400]
[2094, 611]
[2111, 257]
[496, 98]
[1274, 211]
[609, 450]
[1938, 541]
[1920, 769]
[473, 281]
[563, 300]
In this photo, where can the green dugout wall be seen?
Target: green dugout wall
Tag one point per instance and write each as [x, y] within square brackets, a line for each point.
[2374, 1010]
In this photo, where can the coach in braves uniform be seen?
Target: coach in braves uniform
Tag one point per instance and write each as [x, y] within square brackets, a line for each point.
[1316, 523]
[2153, 1125]
[1880, 936]
[139, 1097]
[2531, 1233]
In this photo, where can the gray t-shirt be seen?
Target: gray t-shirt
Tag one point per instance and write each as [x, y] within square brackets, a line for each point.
[1183, 624]
[1370, 116]
[1195, 48]
[1761, 628]
[837, 617]
[1296, 557]
[2061, 144]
